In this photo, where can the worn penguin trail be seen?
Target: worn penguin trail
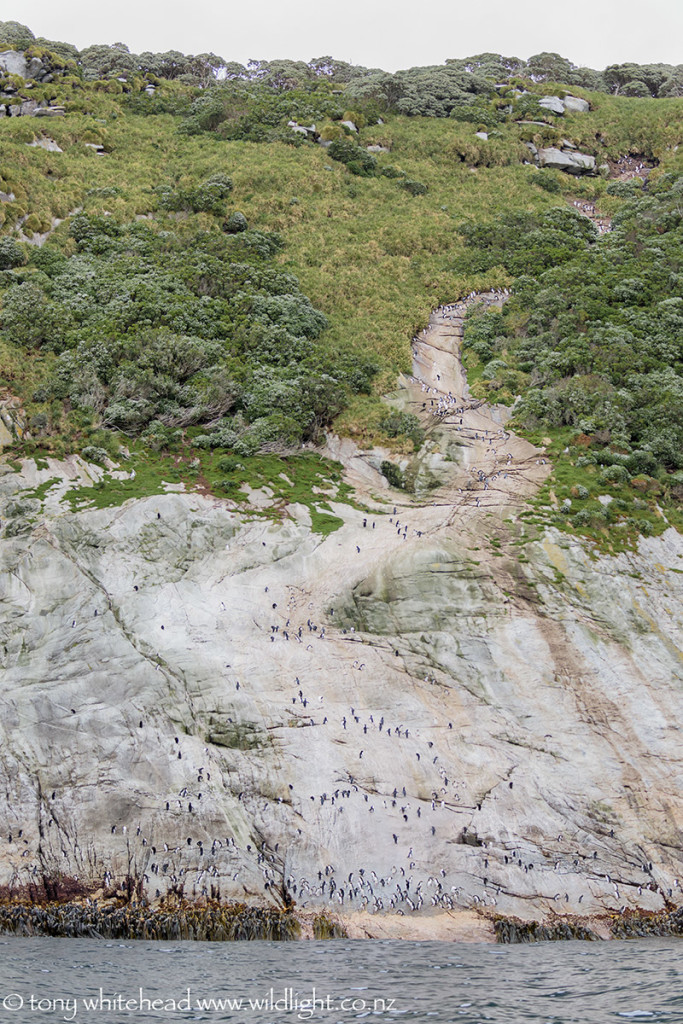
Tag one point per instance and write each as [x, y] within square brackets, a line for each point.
[419, 722]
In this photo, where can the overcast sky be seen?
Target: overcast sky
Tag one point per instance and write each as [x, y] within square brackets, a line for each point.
[390, 34]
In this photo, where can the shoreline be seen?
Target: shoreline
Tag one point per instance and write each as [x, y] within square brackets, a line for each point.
[207, 921]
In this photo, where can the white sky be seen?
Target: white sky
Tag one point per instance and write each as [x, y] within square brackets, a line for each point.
[390, 34]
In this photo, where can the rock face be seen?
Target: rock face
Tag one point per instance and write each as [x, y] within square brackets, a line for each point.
[29, 108]
[13, 62]
[44, 143]
[567, 160]
[571, 104]
[430, 708]
[574, 104]
[13, 425]
[552, 103]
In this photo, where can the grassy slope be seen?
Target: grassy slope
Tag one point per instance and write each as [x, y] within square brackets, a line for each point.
[374, 258]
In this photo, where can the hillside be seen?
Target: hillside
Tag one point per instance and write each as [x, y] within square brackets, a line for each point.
[340, 486]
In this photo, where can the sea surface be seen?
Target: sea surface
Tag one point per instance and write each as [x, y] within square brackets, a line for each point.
[102, 982]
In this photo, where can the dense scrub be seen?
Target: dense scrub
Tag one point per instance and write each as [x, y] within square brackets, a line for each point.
[432, 90]
[592, 340]
[154, 332]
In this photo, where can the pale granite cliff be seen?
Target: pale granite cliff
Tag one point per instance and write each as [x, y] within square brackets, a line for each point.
[422, 720]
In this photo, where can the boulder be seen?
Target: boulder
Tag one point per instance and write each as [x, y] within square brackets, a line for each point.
[24, 109]
[482, 135]
[301, 129]
[552, 103]
[49, 144]
[16, 63]
[36, 69]
[532, 149]
[575, 105]
[377, 149]
[350, 125]
[574, 163]
[49, 112]
[13, 421]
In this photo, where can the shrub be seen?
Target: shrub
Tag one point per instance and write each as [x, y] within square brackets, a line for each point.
[493, 369]
[11, 254]
[228, 485]
[403, 424]
[547, 181]
[615, 474]
[416, 188]
[236, 222]
[625, 189]
[393, 473]
[293, 312]
[646, 484]
[92, 453]
[641, 462]
[392, 172]
[358, 160]
[205, 198]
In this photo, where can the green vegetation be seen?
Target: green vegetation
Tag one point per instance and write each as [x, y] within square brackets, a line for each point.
[403, 424]
[308, 480]
[226, 286]
[154, 332]
[592, 339]
[393, 474]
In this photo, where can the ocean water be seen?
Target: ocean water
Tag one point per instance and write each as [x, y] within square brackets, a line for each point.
[101, 982]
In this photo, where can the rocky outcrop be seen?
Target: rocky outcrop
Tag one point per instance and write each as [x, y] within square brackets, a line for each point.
[50, 111]
[434, 708]
[570, 104]
[13, 422]
[14, 62]
[29, 108]
[44, 143]
[304, 130]
[574, 104]
[569, 160]
[566, 159]
[552, 103]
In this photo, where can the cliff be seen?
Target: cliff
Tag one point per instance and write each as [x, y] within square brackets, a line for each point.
[433, 709]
